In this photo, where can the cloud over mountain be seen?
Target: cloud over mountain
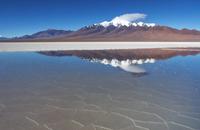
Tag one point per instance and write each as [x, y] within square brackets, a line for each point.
[130, 17]
[125, 19]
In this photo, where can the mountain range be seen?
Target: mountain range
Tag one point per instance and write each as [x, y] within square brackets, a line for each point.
[114, 31]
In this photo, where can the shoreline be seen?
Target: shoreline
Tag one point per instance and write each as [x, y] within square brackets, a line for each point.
[61, 46]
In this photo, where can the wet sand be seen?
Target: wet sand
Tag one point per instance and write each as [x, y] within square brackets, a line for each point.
[53, 46]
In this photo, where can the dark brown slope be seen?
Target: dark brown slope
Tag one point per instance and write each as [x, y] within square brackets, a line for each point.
[112, 33]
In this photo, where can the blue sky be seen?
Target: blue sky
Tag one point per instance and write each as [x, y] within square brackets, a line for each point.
[20, 17]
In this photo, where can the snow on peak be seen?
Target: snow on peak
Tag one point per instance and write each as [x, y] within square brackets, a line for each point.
[127, 20]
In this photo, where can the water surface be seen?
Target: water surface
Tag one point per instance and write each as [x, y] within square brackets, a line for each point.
[103, 90]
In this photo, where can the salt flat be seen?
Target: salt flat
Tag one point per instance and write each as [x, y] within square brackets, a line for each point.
[54, 46]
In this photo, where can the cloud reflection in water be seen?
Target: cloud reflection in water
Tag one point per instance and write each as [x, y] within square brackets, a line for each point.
[128, 65]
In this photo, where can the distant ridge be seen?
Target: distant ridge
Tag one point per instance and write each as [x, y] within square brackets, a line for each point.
[50, 33]
[3, 38]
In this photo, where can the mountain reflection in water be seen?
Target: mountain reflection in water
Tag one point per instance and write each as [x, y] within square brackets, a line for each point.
[127, 60]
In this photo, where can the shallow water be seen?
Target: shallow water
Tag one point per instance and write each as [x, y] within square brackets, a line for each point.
[50, 92]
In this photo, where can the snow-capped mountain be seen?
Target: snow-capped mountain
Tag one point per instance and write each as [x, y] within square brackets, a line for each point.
[127, 27]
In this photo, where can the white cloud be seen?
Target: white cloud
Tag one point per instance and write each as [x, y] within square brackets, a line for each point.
[125, 19]
[1, 36]
[132, 19]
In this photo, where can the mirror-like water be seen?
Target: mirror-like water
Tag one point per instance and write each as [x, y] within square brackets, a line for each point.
[104, 90]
